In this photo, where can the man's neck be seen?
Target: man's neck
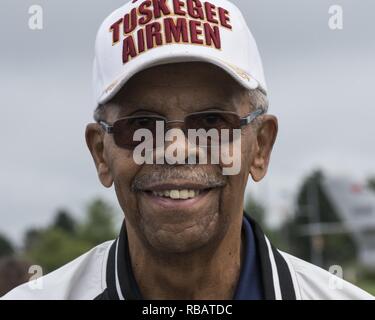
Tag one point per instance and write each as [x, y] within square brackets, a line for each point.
[208, 273]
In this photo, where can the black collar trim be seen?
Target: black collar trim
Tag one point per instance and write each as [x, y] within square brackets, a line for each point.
[265, 263]
[276, 276]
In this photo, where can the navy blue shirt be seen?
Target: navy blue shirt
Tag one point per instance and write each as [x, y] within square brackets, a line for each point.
[249, 286]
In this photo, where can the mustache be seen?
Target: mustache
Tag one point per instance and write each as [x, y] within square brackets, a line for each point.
[168, 173]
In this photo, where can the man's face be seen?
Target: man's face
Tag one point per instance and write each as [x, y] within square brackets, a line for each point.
[160, 221]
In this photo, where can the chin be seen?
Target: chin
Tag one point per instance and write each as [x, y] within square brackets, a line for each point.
[181, 238]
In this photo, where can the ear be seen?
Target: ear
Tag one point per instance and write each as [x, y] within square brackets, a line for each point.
[95, 143]
[265, 139]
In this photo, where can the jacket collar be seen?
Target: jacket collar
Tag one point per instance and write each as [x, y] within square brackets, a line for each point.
[275, 274]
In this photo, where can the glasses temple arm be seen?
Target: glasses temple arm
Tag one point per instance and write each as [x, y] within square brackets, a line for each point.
[251, 117]
[106, 127]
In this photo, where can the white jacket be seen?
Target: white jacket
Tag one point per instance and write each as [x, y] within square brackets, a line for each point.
[95, 275]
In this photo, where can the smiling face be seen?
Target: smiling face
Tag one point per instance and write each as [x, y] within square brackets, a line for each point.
[180, 208]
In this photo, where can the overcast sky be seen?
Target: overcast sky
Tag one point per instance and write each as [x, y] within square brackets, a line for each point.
[321, 87]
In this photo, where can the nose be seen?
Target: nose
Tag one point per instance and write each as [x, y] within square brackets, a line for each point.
[177, 148]
[174, 124]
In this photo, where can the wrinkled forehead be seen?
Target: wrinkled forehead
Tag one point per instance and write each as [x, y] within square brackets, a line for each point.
[190, 86]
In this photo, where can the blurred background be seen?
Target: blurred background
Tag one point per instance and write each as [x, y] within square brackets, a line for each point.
[318, 199]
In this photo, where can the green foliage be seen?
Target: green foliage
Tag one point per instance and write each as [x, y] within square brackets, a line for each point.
[56, 247]
[64, 221]
[6, 247]
[65, 239]
[31, 238]
[98, 226]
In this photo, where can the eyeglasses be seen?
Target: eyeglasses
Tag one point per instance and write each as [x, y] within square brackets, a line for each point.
[123, 130]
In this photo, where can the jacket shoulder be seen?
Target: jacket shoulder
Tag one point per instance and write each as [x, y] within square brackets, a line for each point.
[82, 278]
[314, 283]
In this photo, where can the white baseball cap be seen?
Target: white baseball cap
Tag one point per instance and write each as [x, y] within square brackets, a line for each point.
[146, 33]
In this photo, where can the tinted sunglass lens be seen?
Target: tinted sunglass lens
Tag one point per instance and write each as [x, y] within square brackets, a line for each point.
[215, 125]
[213, 120]
[125, 129]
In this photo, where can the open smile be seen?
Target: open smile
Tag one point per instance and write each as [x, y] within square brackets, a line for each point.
[177, 196]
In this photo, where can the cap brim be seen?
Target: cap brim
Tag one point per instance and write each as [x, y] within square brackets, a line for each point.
[142, 63]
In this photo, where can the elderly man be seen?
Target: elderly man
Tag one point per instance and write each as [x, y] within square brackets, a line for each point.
[181, 97]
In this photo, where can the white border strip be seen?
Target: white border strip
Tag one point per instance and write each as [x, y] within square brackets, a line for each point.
[275, 274]
[117, 282]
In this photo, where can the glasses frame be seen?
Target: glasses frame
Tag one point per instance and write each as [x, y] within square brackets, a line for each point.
[244, 121]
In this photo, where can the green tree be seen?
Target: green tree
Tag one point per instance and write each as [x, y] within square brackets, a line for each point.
[31, 238]
[6, 247]
[65, 221]
[55, 247]
[65, 239]
[98, 226]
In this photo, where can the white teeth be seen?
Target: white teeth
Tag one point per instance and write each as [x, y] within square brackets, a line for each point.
[184, 194]
[174, 194]
[177, 194]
